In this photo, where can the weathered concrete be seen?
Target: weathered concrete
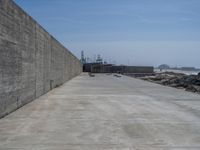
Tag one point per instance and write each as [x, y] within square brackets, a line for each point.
[31, 61]
[105, 113]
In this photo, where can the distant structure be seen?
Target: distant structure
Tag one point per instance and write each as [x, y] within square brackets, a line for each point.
[126, 70]
[99, 59]
[83, 59]
[164, 67]
[88, 62]
[98, 65]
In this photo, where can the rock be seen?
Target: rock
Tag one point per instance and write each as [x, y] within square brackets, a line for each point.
[175, 74]
[188, 82]
[193, 88]
[175, 81]
[91, 75]
[116, 75]
[165, 82]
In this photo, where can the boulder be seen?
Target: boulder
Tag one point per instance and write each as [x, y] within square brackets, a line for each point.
[193, 88]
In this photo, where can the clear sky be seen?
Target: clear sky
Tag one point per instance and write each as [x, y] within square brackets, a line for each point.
[134, 32]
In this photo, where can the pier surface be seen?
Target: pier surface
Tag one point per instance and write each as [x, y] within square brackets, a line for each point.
[105, 112]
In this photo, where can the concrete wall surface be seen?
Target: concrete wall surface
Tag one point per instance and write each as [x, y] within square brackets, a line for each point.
[139, 69]
[132, 69]
[32, 62]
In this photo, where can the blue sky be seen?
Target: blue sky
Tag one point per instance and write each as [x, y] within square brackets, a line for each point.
[134, 32]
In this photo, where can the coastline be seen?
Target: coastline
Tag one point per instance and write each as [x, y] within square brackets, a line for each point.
[188, 82]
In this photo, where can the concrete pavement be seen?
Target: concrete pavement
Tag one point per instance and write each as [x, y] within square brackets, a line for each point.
[105, 113]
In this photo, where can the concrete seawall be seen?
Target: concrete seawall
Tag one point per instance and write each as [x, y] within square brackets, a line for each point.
[32, 62]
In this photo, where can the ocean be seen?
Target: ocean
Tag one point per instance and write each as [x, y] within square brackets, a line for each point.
[177, 71]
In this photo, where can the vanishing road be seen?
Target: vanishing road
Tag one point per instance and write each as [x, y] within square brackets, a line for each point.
[105, 113]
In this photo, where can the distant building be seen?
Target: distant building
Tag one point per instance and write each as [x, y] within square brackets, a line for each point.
[109, 68]
[163, 66]
[101, 68]
[88, 66]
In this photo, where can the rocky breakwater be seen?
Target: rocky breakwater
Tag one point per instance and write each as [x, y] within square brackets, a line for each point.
[178, 80]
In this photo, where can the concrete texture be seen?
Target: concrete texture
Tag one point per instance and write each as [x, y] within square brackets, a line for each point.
[105, 113]
[109, 68]
[32, 62]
